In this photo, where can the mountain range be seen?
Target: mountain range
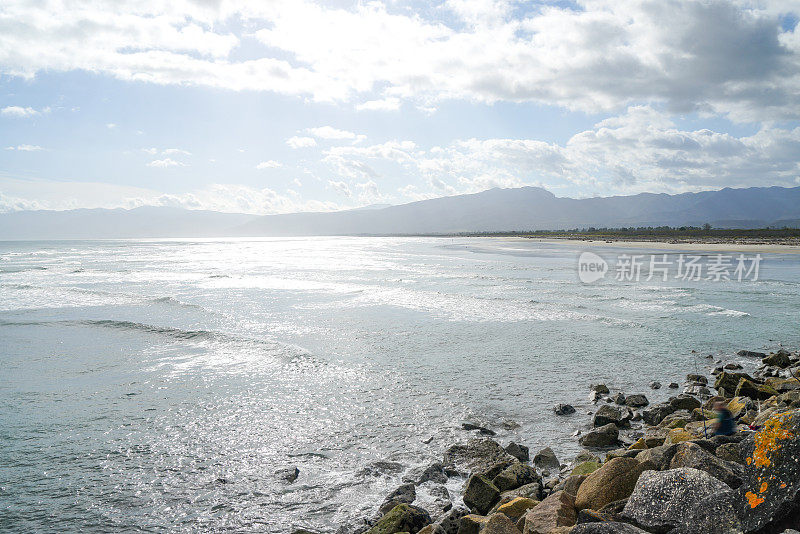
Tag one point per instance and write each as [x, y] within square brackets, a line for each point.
[494, 210]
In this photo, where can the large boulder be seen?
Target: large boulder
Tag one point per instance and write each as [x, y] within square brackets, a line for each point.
[615, 480]
[738, 406]
[586, 468]
[771, 490]
[751, 354]
[749, 388]
[404, 494]
[656, 414]
[606, 527]
[480, 494]
[690, 454]
[609, 414]
[532, 491]
[684, 402]
[514, 476]
[546, 459]
[714, 514]
[517, 507]
[450, 521]
[499, 524]
[477, 456]
[778, 359]
[728, 381]
[605, 436]
[401, 518]
[520, 452]
[636, 401]
[557, 510]
[564, 409]
[662, 500]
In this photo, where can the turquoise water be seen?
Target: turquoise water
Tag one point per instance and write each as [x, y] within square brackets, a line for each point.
[158, 384]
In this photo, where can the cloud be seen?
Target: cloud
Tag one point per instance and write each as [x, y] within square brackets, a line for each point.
[340, 187]
[387, 104]
[301, 142]
[25, 148]
[329, 132]
[729, 57]
[165, 163]
[111, 125]
[269, 164]
[22, 112]
[166, 151]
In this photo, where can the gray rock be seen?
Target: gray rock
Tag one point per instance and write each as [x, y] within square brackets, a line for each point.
[618, 398]
[481, 430]
[404, 494]
[480, 494]
[605, 436]
[514, 476]
[655, 385]
[479, 455]
[663, 500]
[402, 518]
[520, 452]
[778, 359]
[673, 385]
[684, 402]
[450, 521]
[609, 414]
[692, 455]
[563, 409]
[600, 388]
[701, 391]
[636, 401]
[656, 414]
[715, 514]
[729, 452]
[546, 459]
[732, 366]
[531, 491]
[608, 527]
[289, 474]
[751, 354]
[697, 379]
[434, 473]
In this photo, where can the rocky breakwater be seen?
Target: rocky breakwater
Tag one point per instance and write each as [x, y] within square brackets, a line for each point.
[646, 469]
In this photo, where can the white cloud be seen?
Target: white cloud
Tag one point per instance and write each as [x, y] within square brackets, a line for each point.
[301, 142]
[22, 112]
[25, 148]
[727, 56]
[269, 164]
[165, 163]
[386, 104]
[341, 187]
[329, 132]
[175, 151]
[111, 125]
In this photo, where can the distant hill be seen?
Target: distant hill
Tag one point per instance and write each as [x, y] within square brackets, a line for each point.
[495, 210]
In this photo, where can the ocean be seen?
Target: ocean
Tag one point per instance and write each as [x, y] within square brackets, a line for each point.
[159, 385]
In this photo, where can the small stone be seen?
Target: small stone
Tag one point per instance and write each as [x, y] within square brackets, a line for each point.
[673, 385]
[604, 436]
[600, 388]
[289, 474]
[563, 409]
[480, 429]
[636, 401]
[655, 385]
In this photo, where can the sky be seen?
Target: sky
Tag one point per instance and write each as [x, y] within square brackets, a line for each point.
[280, 106]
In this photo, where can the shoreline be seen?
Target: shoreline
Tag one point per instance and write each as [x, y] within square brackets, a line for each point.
[645, 468]
[695, 245]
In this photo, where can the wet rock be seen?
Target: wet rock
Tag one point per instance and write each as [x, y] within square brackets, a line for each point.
[435, 498]
[696, 379]
[684, 402]
[618, 398]
[450, 521]
[610, 527]
[727, 382]
[564, 409]
[655, 414]
[636, 401]
[510, 425]
[480, 494]
[402, 518]
[380, 468]
[605, 436]
[749, 388]
[557, 510]
[520, 452]
[771, 490]
[610, 414]
[662, 500]
[433, 473]
[655, 385]
[546, 459]
[479, 455]
[289, 474]
[615, 480]
[732, 366]
[600, 388]
[673, 385]
[514, 476]
[751, 354]
[778, 359]
[692, 455]
[404, 494]
[481, 430]
[499, 524]
[698, 390]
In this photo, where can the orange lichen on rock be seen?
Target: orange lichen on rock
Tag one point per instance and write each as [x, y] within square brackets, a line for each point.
[766, 441]
[753, 499]
[763, 488]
